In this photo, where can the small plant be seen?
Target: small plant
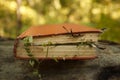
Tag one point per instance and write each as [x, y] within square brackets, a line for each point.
[33, 61]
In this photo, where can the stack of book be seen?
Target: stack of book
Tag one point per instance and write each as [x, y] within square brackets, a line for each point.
[60, 41]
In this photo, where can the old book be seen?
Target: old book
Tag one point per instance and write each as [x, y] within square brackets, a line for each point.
[61, 41]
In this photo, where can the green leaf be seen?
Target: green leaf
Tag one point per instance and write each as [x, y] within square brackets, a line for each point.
[36, 72]
[30, 55]
[40, 76]
[31, 62]
[44, 44]
[49, 43]
[30, 39]
[55, 59]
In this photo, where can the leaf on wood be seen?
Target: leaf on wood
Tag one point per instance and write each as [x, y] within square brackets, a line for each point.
[31, 62]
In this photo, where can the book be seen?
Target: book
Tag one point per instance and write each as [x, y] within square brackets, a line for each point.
[60, 41]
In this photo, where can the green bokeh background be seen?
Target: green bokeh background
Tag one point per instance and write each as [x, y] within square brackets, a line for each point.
[94, 13]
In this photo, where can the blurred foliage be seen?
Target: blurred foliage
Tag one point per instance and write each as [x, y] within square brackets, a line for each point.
[94, 13]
